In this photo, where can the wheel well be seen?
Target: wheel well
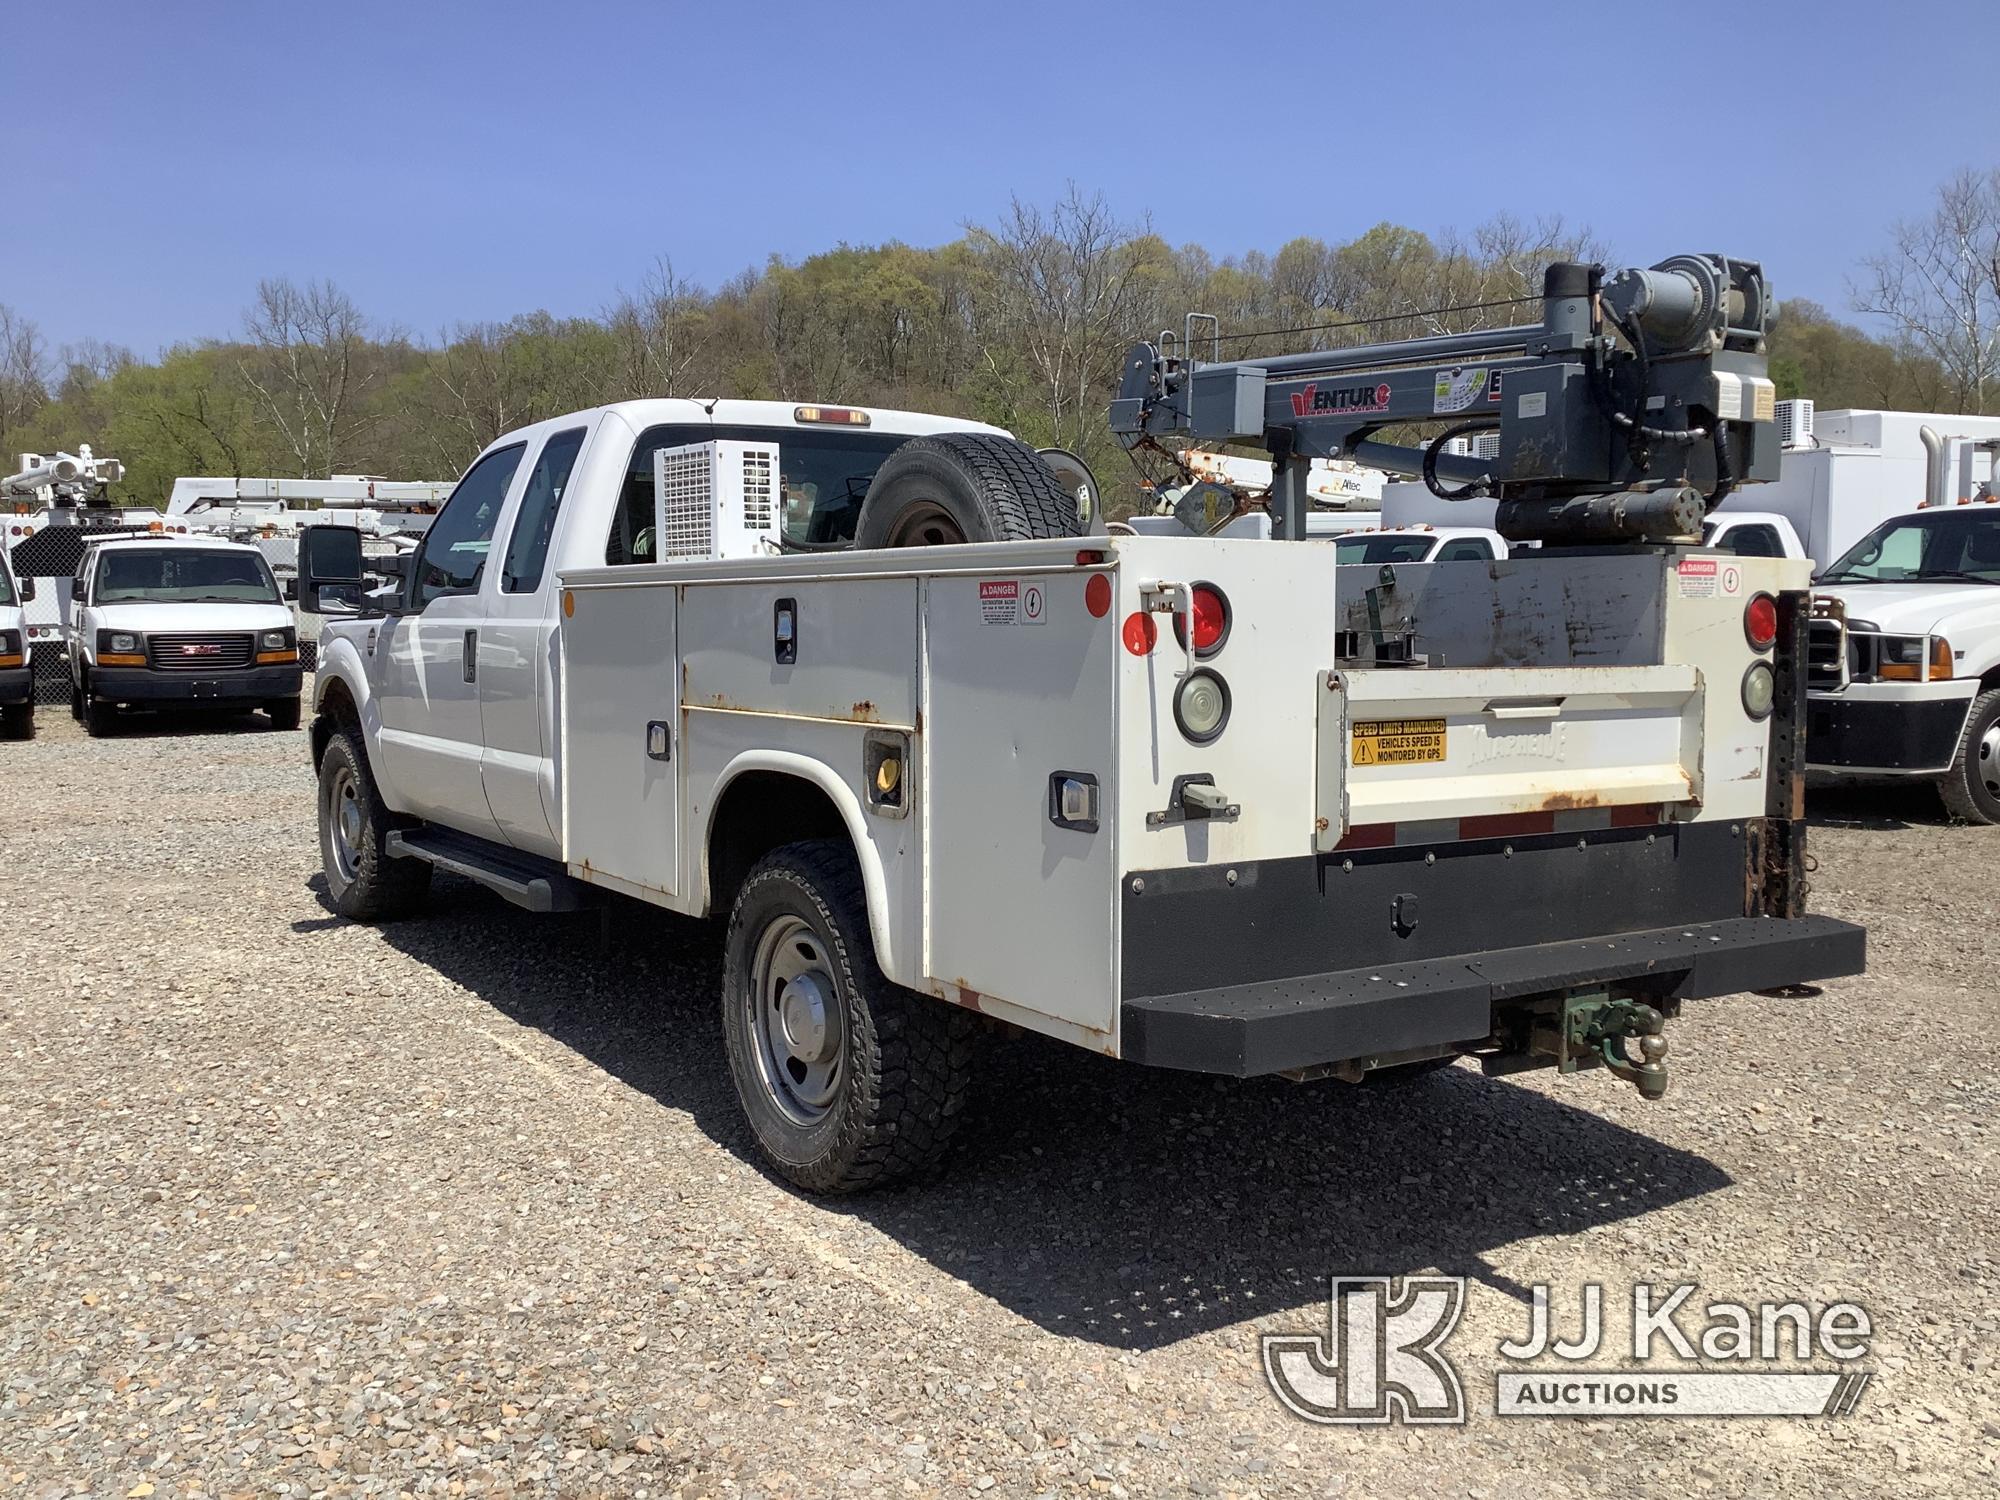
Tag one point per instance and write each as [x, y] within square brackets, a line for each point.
[1990, 681]
[759, 812]
[336, 710]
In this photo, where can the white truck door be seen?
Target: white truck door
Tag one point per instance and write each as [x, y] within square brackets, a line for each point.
[429, 690]
[516, 661]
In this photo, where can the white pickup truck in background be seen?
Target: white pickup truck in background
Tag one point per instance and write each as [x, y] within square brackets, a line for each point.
[1138, 793]
[1905, 657]
[173, 621]
[17, 677]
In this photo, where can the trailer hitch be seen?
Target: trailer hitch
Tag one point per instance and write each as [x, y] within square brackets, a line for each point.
[1594, 1027]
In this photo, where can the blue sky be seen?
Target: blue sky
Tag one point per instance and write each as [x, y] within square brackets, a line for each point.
[455, 161]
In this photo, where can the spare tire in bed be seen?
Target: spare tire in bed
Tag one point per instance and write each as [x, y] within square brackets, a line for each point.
[964, 487]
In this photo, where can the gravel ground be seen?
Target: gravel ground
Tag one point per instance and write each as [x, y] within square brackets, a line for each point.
[462, 1205]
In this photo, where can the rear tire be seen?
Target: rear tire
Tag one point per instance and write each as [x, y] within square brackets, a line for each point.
[362, 881]
[848, 1081]
[1971, 788]
[964, 487]
[283, 713]
[17, 721]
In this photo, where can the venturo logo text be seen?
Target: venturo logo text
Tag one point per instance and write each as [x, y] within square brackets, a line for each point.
[1315, 402]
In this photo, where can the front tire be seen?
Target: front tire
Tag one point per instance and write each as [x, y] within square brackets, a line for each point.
[363, 882]
[848, 1081]
[1971, 788]
[17, 721]
[283, 713]
[100, 718]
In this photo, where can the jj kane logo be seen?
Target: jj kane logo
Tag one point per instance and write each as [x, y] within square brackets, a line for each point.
[1315, 402]
[1380, 1357]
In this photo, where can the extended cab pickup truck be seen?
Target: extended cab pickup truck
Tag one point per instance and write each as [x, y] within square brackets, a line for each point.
[1905, 665]
[17, 677]
[183, 622]
[1133, 792]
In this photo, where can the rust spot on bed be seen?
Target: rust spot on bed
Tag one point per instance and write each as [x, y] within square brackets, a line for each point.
[865, 712]
[1569, 801]
[967, 996]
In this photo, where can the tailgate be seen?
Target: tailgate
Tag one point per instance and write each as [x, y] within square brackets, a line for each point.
[1411, 747]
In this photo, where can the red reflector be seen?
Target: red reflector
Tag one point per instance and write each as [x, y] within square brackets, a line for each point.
[1089, 559]
[1097, 595]
[1760, 621]
[1211, 619]
[1140, 632]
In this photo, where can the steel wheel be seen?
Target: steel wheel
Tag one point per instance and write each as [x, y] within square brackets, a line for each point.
[926, 524]
[795, 1016]
[1986, 760]
[343, 818]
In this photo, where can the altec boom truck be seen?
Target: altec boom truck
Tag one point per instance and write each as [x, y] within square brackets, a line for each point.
[1147, 794]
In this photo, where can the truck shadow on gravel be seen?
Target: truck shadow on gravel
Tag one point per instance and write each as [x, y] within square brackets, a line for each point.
[1125, 1206]
[1887, 805]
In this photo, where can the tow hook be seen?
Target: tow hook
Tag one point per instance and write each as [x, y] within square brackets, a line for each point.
[1595, 1028]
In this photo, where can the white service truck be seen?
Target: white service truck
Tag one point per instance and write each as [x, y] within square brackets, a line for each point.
[169, 621]
[1904, 677]
[1139, 793]
[17, 677]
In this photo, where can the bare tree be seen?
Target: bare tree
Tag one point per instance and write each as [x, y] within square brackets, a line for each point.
[24, 377]
[1938, 287]
[1062, 290]
[662, 331]
[312, 368]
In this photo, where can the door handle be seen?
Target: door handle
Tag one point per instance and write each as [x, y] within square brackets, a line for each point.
[471, 656]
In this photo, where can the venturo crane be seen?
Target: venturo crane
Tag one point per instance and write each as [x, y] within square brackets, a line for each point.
[1631, 409]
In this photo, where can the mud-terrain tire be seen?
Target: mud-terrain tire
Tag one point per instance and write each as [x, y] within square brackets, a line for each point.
[1971, 788]
[847, 1080]
[964, 487]
[362, 881]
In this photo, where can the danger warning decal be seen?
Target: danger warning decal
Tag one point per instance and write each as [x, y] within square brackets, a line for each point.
[1013, 601]
[1709, 577]
[1459, 388]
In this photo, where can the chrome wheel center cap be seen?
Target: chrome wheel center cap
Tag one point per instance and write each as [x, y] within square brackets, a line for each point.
[802, 1012]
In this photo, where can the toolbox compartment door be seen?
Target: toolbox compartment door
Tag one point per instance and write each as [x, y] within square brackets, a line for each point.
[1408, 746]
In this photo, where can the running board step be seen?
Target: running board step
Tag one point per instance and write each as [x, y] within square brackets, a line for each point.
[537, 884]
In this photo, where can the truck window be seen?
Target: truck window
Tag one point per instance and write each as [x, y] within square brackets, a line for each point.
[156, 575]
[824, 476]
[6, 584]
[455, 547]
[631, 539]
[535, 522]
[1758, 540]
[1465, 549]
[1382, 549]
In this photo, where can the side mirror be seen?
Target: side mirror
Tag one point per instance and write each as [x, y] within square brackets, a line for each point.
[27, 586]
[329, 570]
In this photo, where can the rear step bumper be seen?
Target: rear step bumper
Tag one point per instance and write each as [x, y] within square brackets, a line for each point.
[537, 884]
[1281, 1024]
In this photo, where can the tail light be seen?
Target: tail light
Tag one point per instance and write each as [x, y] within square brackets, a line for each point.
[1209, 608]
[1760, 621]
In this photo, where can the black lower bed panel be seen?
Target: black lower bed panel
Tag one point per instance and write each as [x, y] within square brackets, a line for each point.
[1274, 1025]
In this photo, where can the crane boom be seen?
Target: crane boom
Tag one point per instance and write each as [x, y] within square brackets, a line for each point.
[1601, 438]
